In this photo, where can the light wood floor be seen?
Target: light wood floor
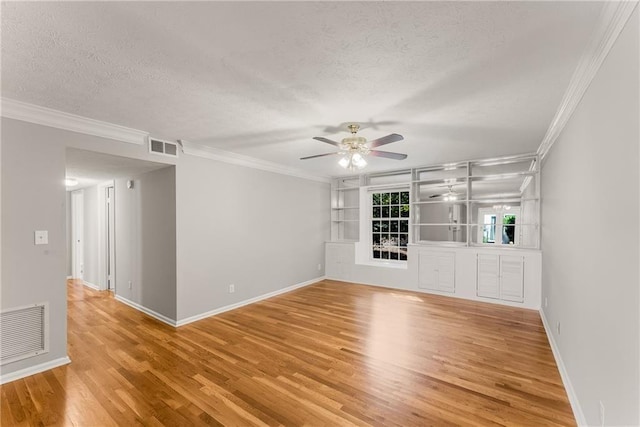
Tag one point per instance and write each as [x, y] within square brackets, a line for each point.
[329, 354]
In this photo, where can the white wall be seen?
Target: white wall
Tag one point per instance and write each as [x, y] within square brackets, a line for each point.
[90, 234]
[145, 240]
[68, 233]
[590, 187]
[258, 230]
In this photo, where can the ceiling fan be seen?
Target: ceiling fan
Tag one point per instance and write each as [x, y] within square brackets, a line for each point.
[355, 148]
[449, 196]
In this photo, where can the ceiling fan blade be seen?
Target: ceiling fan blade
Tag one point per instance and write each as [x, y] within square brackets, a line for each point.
[318, 155]
[328, 141]
[394, 137]
[433, 196]
[388, 154]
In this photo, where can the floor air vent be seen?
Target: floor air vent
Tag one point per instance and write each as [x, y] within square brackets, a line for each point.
[23, 332]
[166, 148]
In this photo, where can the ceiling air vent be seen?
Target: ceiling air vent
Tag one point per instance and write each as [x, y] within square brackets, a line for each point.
[165, 148]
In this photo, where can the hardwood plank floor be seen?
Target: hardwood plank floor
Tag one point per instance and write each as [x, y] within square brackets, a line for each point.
[328, 354]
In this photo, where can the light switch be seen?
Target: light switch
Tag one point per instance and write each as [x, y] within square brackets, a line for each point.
[41, 237]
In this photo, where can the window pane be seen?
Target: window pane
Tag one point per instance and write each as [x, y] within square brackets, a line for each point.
[389, 234]
[509, 229]
[489, 229]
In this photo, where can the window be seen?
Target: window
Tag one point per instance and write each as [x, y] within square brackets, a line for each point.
[390, 225]
[499, 225]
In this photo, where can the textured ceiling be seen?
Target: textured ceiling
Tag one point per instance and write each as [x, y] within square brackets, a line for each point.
[460, 80]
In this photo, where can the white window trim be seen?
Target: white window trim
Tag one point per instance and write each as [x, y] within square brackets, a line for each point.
[364, 247]
[499, 226]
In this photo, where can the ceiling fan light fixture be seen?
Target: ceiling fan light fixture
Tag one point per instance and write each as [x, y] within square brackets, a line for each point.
[353, 161]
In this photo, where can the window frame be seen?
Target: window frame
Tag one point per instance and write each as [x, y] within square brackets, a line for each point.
[499, 213]
[369, 217]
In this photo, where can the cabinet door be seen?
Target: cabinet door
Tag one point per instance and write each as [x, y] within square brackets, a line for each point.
[488, 276]
[512, 278]
[446, 272]
[428, 270]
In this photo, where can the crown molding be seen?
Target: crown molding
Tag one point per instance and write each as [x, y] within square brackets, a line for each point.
[25, 112]
[199, 150]
[31, 113]
[613, 17]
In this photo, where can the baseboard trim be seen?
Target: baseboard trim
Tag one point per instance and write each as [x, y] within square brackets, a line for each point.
[147, 311]
[32, 370]
[573, 398]
[445, 294]
[247, 302]
[91, 285]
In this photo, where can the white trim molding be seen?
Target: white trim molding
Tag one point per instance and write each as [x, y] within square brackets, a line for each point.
[573, 398]
[613, 17]
[247, 302]
[32, 370]
[147, 311]
[25, 112]
[92, 286]
[199, 150]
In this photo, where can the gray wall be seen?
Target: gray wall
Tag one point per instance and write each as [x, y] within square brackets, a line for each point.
[146, 240]
[590, 188]
[258, 230]
[34, 198]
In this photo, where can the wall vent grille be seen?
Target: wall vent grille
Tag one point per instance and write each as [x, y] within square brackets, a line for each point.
[165, 148]
[23, 332]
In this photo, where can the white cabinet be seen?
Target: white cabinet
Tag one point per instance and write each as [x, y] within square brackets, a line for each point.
[436, 271]
[501, 277]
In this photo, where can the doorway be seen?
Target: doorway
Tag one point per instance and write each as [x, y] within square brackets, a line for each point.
[110, 237]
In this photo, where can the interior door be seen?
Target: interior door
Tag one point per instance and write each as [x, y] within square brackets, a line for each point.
[110, 240]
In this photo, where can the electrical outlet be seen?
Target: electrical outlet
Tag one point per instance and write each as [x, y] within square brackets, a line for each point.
[319, 267]
[601, 414]
[232, 288]
[558, 327]
[546, 302]
[129, 284]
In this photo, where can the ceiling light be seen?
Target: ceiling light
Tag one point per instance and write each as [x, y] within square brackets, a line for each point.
[353, 161]
[70, 182]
